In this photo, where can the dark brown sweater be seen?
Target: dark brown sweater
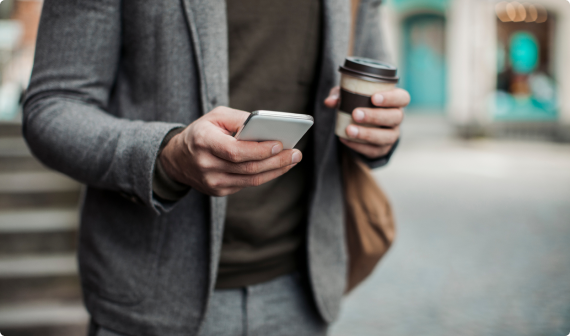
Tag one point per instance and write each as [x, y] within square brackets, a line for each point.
[273, 56]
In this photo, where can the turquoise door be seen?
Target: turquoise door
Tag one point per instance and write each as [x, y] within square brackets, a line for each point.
[424, 71]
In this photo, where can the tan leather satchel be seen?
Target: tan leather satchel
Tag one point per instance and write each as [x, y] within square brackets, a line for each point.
[370, 228]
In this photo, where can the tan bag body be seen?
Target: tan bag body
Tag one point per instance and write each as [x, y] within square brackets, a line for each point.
[370, 228]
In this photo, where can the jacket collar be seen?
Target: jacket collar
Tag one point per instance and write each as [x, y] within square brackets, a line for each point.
[207, 23]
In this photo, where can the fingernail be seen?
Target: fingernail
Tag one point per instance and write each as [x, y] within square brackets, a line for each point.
[296, 157]
[334, 96]
[358, 115]
[352, 131]
[275, 150]
[377, 99]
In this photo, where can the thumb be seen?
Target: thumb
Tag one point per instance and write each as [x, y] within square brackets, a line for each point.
[228, 119]
[332, 100]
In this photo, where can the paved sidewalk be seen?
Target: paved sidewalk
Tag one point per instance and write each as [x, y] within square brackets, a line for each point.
[483, 245]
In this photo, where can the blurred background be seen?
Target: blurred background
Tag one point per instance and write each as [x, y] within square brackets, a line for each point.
[480, 184]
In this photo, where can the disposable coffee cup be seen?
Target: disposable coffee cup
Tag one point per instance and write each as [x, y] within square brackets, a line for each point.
[360, 79]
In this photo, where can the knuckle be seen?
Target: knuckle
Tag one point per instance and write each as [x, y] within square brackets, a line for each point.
[212, 183]
[376, 152]
[407, 97]
[401, 114]
[382, 151]
[224, 192]
[256, 181]
[250, 167]
[375, 117]
[219, 193]
[232, 154]
[398, 117]
[397, 133]
[365, 134]
[199, 139]
[217, 110]
[393, 137]
[369, 153]
[285, 160]
[203, 162]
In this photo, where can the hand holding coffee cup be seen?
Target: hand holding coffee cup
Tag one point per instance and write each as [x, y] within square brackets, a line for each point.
[369, 106]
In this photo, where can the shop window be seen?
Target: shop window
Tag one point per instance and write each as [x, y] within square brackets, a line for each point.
[424, 70]
[526, 86]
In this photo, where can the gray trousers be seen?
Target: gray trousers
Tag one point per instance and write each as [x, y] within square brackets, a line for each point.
[280, 307]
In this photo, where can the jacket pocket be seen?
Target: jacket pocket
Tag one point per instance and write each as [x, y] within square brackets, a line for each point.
[119, 247]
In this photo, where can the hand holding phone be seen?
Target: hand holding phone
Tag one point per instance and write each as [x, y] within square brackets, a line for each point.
[206, 157]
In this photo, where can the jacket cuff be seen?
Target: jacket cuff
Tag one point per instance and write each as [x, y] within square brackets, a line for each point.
[165, 189]
[379, 162]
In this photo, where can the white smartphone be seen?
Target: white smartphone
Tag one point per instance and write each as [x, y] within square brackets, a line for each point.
[286, 127]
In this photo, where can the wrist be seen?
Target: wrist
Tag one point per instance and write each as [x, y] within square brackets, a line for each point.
[168, 157]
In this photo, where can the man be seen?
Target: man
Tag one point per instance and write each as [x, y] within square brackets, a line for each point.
[131, 98]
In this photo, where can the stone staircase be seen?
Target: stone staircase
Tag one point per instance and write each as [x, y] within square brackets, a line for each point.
[39, 286]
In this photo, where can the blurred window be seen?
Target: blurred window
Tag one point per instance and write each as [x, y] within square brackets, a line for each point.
[424, 70]
[526, 87]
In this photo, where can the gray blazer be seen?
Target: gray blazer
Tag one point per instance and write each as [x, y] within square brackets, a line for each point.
[111, 78]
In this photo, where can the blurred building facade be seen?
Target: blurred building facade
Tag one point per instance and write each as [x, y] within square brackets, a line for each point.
[39, 285]
[19, 21]
[491, 67]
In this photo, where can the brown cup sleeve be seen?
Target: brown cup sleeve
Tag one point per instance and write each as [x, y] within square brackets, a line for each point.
[349, 101]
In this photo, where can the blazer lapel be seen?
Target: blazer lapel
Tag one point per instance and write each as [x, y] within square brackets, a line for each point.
[208, 28]
[336, 31]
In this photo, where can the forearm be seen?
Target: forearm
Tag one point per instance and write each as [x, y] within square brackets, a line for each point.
[67, 123]
[93, 147]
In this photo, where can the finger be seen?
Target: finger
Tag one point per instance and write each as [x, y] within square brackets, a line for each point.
[374, 135]
[283, 159]
[212, 137]
[393, 98]
[367, 150]
[379, 117]
[242, 181]
[230, 149]
[333, 99]
[228, 119]
[227, 192]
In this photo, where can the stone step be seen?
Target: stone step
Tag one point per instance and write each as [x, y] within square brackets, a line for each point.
[27, 243]
[14, 147]
[29, 266]
[38, 231]
[20, 164]
[35, 221]
[74, 329]
[33, 200]
[10, 129]
[50, 288]
[36, 182]
[44, 318]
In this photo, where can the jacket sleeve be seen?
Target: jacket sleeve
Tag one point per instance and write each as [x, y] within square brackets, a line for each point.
[67, 124]
[369, 42]
[368, 34]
